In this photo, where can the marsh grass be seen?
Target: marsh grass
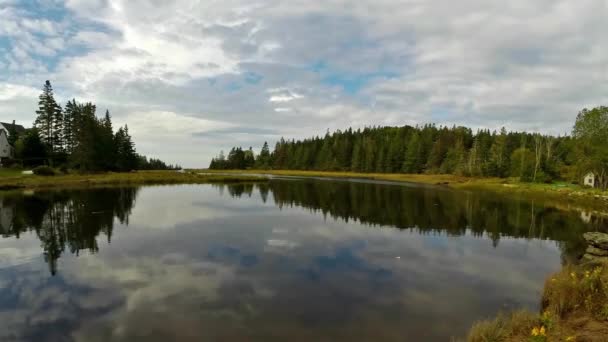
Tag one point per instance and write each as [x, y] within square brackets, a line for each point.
[578, 289]
[575, 308]
[18, 181]
[516, 324]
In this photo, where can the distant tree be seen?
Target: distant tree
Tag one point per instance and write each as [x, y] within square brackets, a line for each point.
[454, 161]
[427, 149]
[70, 125]
[85, 154]
[263, 159]
[248, 158]
[523, 164]
[31, 149]
[126, 157]
[106, 144]
[499, 158]
[591, 134]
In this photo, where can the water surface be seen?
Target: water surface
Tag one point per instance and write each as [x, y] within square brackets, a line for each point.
[297, 260]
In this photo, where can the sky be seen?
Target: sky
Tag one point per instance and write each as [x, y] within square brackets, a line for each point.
[191, 78]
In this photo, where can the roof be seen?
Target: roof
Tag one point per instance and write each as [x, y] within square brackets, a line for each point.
[18, 128]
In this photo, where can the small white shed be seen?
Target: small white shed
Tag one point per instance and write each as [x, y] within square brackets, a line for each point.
[590, 180]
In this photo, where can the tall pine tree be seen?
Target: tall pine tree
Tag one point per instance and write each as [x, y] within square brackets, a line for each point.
[49, 119]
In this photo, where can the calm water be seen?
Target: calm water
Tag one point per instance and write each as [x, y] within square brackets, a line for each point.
[289, 260]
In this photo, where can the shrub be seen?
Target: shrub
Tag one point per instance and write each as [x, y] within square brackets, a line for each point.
[581, 288]
[44, 171]
[516, 324]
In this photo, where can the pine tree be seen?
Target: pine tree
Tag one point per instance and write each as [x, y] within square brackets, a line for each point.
[249, 158]
[412, 160]
[499, 158]
[69, 125]
[263, 160]
[84, 154]
[106, 145]
[48, 119]
[33, 150]
[58, 130]
[126, 157]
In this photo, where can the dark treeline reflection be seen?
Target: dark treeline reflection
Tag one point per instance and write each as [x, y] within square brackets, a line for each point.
[431, 210]
[71, 219]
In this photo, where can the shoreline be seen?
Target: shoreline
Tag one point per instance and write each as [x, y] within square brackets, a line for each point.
[562, 195]
[34, 182]
[559, 193]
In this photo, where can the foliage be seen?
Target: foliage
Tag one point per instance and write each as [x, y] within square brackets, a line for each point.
[421, 149]
[30, 148]
[44, 170]
[575, 304]
[154, 164]
[531, 157]
[591, 133]
[49, 118]
[237, 159]
[76, 136]
[578, 289]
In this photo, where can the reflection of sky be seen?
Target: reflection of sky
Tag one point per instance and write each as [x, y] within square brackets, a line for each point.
[240, 269]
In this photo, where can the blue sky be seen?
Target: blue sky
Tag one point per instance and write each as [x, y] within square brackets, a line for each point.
[193, 77]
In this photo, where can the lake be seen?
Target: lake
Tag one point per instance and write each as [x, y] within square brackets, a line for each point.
[297, 260]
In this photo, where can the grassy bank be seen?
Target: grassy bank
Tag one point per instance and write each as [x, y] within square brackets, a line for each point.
[557, 192]
[15, 180]
[574, 308]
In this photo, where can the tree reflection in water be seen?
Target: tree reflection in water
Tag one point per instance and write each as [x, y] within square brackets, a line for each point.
[74, 219]
[431, 210]
[70, 219]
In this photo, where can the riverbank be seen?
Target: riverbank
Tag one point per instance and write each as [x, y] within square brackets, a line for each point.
[16, 180]
[574, 308]
[561, 193]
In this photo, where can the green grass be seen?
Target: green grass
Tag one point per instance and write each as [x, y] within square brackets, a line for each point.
[16, 180]
[4, 172]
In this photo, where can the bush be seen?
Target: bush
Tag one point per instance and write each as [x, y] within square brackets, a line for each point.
[578, 288]
[44, 171]
[575, 303]
[504, 327]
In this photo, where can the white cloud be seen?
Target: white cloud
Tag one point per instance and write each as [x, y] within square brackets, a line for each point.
[337, 63]
[285, 97]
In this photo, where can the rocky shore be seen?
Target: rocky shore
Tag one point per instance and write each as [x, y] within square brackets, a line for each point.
[597, 249]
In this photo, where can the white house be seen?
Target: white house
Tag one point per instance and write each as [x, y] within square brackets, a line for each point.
[6, 150]
[6, 127]
[591, 180]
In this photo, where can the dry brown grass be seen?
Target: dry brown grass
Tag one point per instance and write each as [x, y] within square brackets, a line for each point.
[575, 308]
[110, 178]
[516, 325]
[578, 289]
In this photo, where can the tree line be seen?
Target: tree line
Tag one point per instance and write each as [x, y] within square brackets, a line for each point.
[75, 137]
[531, 157]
